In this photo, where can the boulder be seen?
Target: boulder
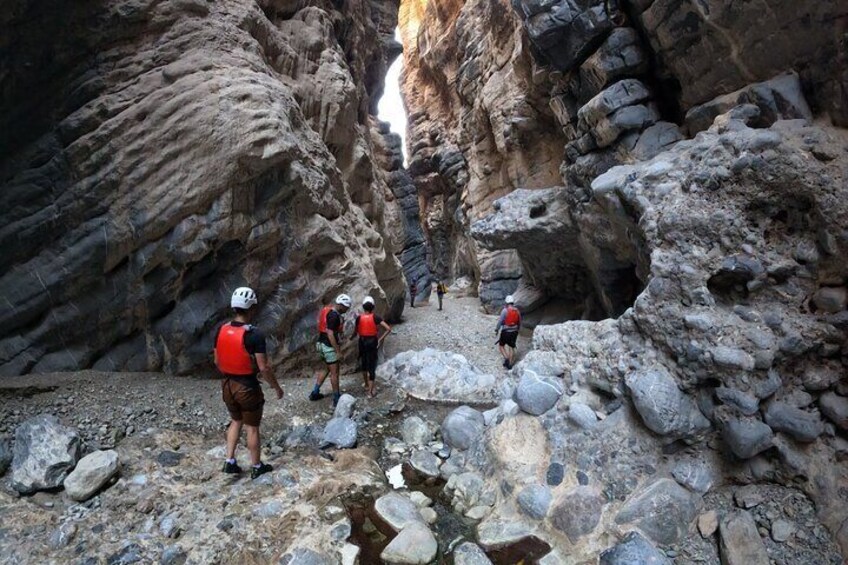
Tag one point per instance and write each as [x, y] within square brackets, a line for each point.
[468, 553]
[534, 501]
[577, 512]
[694, 475]
[415, 544]
[740, 542]
[662, 511]
[835, 409]
[439, 376]
[797, 423]
[746, 437]
[416, 431]
[340, 432]
[45, 452]
[831, 299]
[425, 463]
[462, 427]
[536, 395]
[633, 549]
[344, 407]
[663, 406]
[397, 511]
[91, 473]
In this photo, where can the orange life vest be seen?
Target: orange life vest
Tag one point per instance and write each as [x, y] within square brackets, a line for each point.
[322, 319]
[367, 326]
[513, 317]
[233, 358]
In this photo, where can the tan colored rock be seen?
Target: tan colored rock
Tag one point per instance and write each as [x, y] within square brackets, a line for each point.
[708, 523]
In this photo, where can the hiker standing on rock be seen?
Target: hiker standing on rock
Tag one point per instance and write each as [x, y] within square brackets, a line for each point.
[330, 324]
[368, 326]
[509, 323]
[413, 290]
[240, 354]
[441, 290]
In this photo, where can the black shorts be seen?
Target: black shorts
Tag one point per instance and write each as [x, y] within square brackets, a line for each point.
[508, 338]
[368, 354]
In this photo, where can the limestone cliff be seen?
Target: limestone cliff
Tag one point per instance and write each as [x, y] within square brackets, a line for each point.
[156, 154]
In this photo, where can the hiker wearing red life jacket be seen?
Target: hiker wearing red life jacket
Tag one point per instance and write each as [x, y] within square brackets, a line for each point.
[330, 325]
[240, 354]
[509, 323]
[368, 326]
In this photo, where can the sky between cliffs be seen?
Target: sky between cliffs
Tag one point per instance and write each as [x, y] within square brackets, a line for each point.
[390, 108]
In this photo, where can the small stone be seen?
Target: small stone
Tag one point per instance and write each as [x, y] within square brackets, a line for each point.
[581, 415]
[582, 478]
[536, 395]
[740, 542]
[128, 554]
[708, 523]
[350, 554]
[478, 512]
[831, 299]
[468, 553]
[344, 407]
[397, 510]
[415, 544]
[429, 515]
[781, 530]
[62, 536]
[748, 496]
[44, 453]
[425, 463]
[633, 550]
[91, 473]
[534, 501]
[663, 511]
[797, 423]
[577, 512]
[174, 555]
[169, 458]
[420, 499]
[341, 530]
[340, 432]
[834, 408]
[555, 474]
[746, 437]
[416, 431]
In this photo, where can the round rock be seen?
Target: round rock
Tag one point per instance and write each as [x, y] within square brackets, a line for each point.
[536, 395]
[462, 427]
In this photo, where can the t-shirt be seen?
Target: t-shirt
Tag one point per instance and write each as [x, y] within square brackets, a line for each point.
[334, 322]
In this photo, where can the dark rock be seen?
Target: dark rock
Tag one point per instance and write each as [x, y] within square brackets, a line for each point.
[536, 395]
[173, 555]
[798, 424]
[555, 474]
[633, 549]
[131, 553]
[835, 409]
[577, 512]
[746, 437]
[170, 458]
[745, 403]
[663, 511]
[5, 454]
[662, 406]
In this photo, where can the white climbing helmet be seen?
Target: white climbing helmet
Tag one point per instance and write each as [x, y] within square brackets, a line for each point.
[367, 300]
[243, 297]
[343, 300]
[510, 299]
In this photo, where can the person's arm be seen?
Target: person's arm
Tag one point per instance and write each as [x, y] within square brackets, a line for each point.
[355, 327]
[388, 329]
[501, 320]
[267, 375]
[334, 324]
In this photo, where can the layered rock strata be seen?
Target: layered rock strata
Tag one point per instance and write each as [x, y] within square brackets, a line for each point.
[156, 155]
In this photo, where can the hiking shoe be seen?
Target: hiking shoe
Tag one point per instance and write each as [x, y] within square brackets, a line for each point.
[231, 468]
[506, 363]
[261, 470]
[313, 396]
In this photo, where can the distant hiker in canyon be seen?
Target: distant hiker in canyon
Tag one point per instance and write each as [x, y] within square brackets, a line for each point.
[509, 323]
[413, 290]
[330, 325]
[367, 326]
[441, 290]
[240, 354]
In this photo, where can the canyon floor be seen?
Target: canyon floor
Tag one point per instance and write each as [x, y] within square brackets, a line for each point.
[171, 504]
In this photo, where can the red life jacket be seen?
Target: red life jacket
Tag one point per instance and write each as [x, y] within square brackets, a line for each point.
[233, 358]
[367, 326]
[322, 319]
[513, 317]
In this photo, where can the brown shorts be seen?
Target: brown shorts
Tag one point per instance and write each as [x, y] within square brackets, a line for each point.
[243, 402]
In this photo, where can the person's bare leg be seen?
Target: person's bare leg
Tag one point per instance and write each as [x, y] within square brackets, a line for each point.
[253, 443]
[334, 377]
[503, 351]
[233, 433]
[511, 352]
[321, 376]
[371, 386]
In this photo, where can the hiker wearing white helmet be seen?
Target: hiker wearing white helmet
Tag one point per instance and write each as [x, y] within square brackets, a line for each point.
[330, 324]
[241, 356]
[368, 326]
[509, 323]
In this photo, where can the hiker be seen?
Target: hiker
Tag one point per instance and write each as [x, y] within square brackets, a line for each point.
[413, 290]
[441, 290]
[509, 323]
[241, 356]
[330, 324]
[368, 326]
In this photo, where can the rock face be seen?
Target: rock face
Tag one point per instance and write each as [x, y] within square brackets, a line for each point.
[91, 473]
[178, 150]
[45, 452]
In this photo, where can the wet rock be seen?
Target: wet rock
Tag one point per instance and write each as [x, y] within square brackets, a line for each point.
[536, 395]
[782, 530]
[634, 548]
[663, 406]
[415, 544]
[799, 424]
[534, 501]
[344, 408]
[663, 511]
[581, 415]
[577, 512]
[425, 463]
[416, 431]
[45, 451]
[739, 541]
[835, 409]
[340, 432]
[747, 437]
[694, 475]
[708, 523]
[5, 455]
[462, 427]
[438, 376]
[468, 553]
[397, 510]
[91, 473]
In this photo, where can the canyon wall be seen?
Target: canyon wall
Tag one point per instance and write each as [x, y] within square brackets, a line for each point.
[154, 155]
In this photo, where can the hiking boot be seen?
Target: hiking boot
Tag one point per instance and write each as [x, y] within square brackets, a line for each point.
[231, 468]
[506, 363]
[261, 470]
[313, 396]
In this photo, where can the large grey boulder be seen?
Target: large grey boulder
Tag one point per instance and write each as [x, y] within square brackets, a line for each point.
[440, 376]
[340, 432]
[663, 511]
[414, 545]
[462, 427]
[634, 549]
[537, 394]
[663, 406]
[45, 452]
[91, 473]
[799, 424]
